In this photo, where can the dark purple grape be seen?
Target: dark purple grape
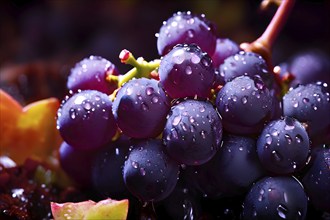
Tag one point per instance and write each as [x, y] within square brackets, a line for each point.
[279, 197]
[90, 74]
[180, 204]
[245, 105]
[317, 179]
[309, 66]
[283, 146]
[149, 173]
[140, 108]
[186, 28]
[85, 120]
[193, 132]
[225, 48]
[246, 64]
[186, 71]
[310, 104]
[232, 171]
[107, 169]
[77, 164]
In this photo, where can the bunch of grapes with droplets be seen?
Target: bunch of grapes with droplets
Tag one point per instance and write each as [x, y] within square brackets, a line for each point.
[209, 123]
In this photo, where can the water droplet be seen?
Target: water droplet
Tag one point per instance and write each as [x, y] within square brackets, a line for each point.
[135, 164]
[202, 108]
[97, 98]
[276, 156]
[203, 134]
[174, 133]
[87, 105]
[226, 108]
[176, 120]
[178, 56]
[188, 70]
[244, 100]
[299, 138]
[240, 148]
[73, 113]
[191, 21]
[268, 139]
[144, 106]
[154, 99]
[289, 124]
[234, 98]
[305, 100]
[195, 59]
[191, 33]
[314, 107]
[295, 103]
[282, 211]
[191, 119]
[275, 132]
[129, 91]
[142, 171]
[288, 138]
[149, 90]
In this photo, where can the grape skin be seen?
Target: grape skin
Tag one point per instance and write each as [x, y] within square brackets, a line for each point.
[309, 104]
[283, 146]
[186, 71]
[193, 132]
[281, 197]
[90, 74]
[86, 121]
[149, 173]
[186, 28]
[140, 108]
[245, 105]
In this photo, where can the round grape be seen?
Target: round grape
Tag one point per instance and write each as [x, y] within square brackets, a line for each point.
[245, 105]
[317, 179]
[186, 71]
[149, 173]
[310, 104]
[90, 74]
[283, 146]
[140, 108]
[186, 28]
[85, 120]
[281, 197]
[193, 132]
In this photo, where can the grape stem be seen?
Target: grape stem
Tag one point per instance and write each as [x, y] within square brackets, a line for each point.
[141, 68]
[264, 43]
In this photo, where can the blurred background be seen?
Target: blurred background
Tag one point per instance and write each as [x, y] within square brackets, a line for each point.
[40, 41]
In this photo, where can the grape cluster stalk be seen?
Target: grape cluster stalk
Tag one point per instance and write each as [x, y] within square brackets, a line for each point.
[208, 130]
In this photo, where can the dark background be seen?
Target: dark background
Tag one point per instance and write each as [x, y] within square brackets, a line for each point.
[41, 40]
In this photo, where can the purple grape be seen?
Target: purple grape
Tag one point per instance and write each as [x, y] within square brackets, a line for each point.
[90, 74]
[140, 108]
[77, 164]
[317, 179]
[279, 197]
[107, 169]
[225, 48]
[85, 120]
[186, 28]
[149, 173]
[245, 105]
[309, 66]
[232, 171]
[193, 132]
[186, 71]
[310, 104]
[283, 146]
[246, 64]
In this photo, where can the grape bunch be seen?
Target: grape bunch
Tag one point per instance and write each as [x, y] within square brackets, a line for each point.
[211, 129]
